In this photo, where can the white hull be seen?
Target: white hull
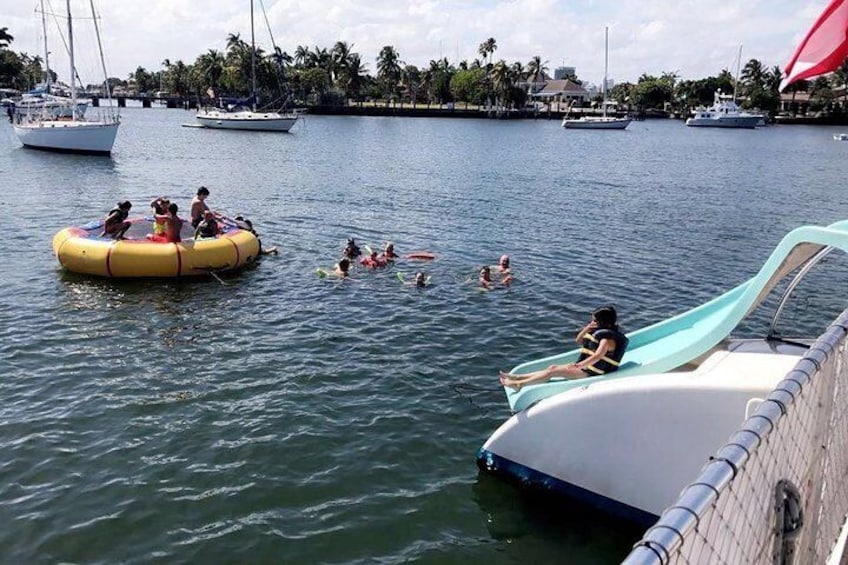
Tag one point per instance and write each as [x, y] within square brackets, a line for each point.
[246, 120]
[840, 136]
[69, 136]
[748, 122]
[630, 445]
[588, 122]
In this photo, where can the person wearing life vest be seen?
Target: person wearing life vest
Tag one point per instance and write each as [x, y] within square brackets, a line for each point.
[373, 261]
[173, 225]
[208, 227]
[116, 224]
[602, 347]
[160, 208]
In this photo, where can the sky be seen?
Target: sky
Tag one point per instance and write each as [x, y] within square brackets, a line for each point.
[694, 39]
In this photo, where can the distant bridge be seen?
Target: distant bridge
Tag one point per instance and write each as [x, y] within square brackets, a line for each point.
[147, 101]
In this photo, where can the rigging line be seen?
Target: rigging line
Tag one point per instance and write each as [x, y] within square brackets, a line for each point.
[280, 83]
[64, 41]
[267, 25]
[102, 59]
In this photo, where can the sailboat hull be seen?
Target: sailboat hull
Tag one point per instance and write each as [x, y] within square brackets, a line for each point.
[94, 138]
[247, 121]
[596, 123]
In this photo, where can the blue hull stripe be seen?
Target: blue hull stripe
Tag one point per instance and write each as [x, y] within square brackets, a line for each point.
[525, 477]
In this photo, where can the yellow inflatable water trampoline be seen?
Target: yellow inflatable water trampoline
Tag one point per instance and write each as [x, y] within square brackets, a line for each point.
[84, 250]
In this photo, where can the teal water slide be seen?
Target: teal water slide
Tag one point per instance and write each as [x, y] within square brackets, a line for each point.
[682, 339]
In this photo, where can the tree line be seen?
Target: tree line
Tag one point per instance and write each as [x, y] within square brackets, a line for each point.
[338, 74]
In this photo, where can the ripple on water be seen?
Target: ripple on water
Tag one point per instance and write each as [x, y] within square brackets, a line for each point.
[283, 417]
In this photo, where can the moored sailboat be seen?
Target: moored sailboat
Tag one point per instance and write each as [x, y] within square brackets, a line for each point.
[604, 121]
[45, 131]
[243, 118]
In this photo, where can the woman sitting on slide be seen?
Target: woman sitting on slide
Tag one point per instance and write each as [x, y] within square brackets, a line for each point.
[603, 346]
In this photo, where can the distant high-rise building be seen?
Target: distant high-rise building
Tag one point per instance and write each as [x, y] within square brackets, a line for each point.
[562, 72]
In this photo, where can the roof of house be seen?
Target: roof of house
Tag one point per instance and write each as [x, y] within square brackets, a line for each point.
[562, 85]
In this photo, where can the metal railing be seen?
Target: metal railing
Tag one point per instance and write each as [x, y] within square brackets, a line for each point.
[777, 492]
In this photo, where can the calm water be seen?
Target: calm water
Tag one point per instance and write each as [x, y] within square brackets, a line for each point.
[284, 418]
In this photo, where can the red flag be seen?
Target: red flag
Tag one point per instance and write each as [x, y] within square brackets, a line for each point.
[824, 48]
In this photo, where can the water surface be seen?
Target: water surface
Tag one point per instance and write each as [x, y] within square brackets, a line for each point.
[286, 418]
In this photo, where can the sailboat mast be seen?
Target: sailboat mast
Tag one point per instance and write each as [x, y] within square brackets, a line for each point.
[73, 72]
[606, 66]
[252, 60]
[738, 64]
[46, 52]
[102, 58]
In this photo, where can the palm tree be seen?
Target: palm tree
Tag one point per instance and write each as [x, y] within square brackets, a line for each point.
[5, 37]
[177, 78]
[839, 79]
[487, 48]
[210, 68]
[389, 69]
[410, 78]
[354, 71]
[340, 55]
[773, 78]
[301, 55]
[323, 59]
[502, 81]
[536, 69]
[753, 76]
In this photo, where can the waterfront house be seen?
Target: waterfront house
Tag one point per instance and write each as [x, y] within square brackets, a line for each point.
[561, 93]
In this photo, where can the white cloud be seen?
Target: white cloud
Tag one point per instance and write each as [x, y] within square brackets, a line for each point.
[697, 38]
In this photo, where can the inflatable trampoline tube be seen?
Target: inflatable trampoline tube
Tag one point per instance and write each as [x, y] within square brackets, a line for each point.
[85, 250]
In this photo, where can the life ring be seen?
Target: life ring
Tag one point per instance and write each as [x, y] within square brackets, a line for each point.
[84, 250]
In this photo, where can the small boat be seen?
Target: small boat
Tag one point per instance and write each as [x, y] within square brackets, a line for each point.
[840, 136]
[241, 117]
[598, 122]
[629, 441]
[85, 250]
[74, 134]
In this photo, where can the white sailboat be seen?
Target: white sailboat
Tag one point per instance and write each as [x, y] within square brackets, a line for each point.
[76, 134]
[604, 121]
[241, 118]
